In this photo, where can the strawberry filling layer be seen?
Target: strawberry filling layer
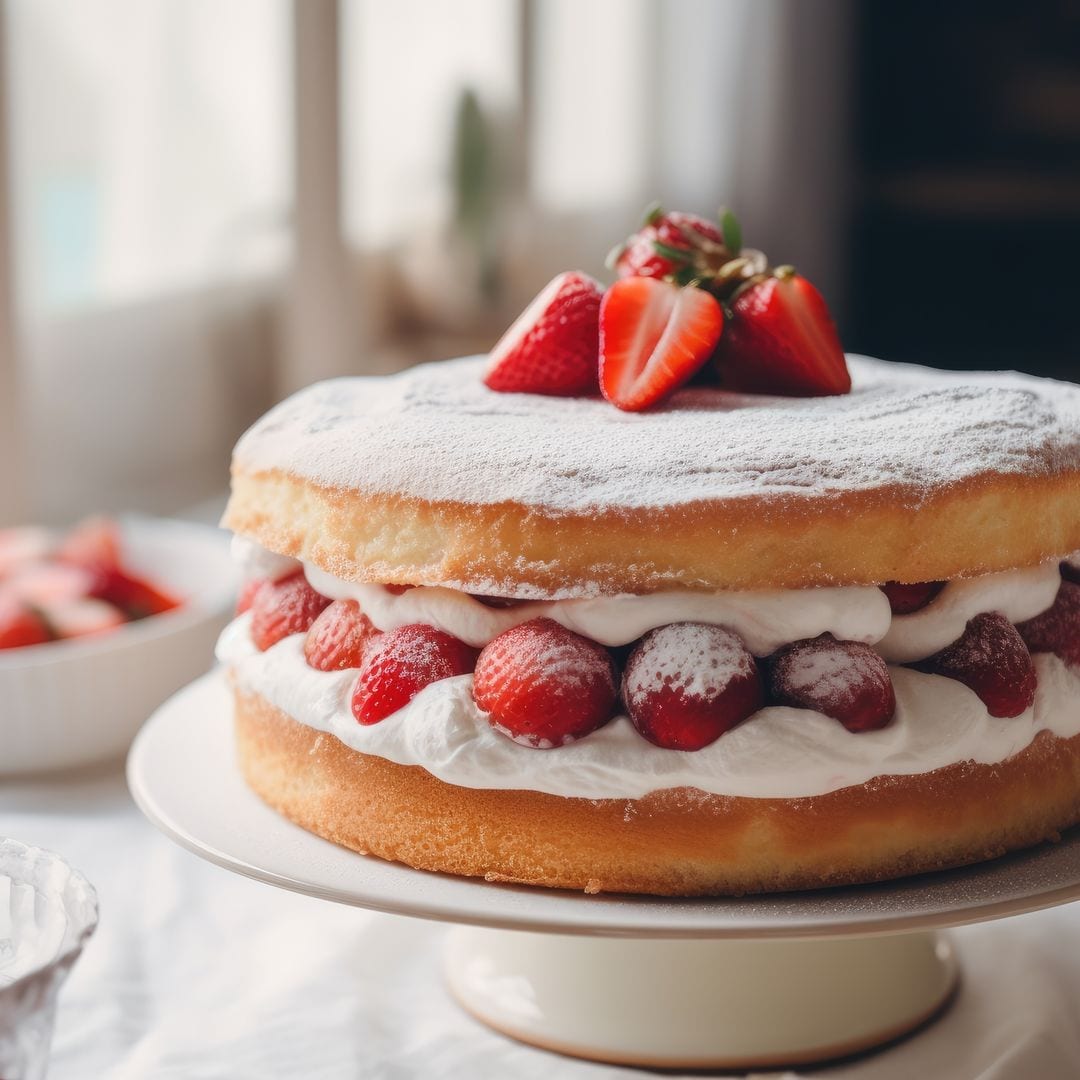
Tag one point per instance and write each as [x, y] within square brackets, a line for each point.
[524, 675]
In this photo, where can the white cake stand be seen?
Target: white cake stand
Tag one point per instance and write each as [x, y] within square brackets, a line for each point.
[727, 983]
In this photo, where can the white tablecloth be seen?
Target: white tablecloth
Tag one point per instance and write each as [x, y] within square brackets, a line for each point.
[198, 973]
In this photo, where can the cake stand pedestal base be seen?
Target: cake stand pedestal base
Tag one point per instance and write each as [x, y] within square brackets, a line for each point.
[718, 1004]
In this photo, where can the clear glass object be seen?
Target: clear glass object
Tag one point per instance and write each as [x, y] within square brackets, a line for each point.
[47, 912]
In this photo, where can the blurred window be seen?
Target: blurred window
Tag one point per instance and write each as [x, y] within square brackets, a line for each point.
[405, 66]
[149, 144]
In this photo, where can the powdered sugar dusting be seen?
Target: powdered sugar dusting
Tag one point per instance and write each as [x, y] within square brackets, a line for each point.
[697, 660]
[437, 433]
[828, 670]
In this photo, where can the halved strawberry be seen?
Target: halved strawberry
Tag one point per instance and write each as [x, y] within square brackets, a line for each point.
[20, 624]
[992, 659]
[93, 544]
[781, 339]
[552, 346]
[248, 591]
[44, 583]
[282, 608]
[543, 685]
[82, 618]
[136, 597]
[339, 637]
[687, 683]
[653, 337]
[907, 598]
[22, 546]
[401, 663]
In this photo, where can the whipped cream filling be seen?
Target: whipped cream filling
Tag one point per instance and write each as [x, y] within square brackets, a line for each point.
[779, 752]
[256, 562]
[1017, 594]
[765, 620]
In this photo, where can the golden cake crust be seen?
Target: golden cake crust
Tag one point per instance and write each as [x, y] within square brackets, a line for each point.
[980, 525]
[678, 842]
[428, 478]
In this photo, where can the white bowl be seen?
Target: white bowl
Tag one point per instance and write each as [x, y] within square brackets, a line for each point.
[77, 702]
[47, 913]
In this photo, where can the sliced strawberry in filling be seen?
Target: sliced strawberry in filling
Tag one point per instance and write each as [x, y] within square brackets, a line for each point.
[401, 663]
[990, 658]
[846, 680]
[543, 685]
[687, 683]
[905, 599]
[1056, 630]
[339, 638]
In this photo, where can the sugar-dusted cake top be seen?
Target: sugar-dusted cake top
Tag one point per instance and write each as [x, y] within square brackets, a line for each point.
[436, 433]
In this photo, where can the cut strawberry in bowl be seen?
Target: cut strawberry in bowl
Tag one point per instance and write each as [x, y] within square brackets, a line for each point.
[687, 683]
[339, 638]
[401, 663]
[94, 544]
[23, 545]
[543, 685]
[79, 699]
[50, 583]
[136, 598]
[20, 624]
[653, 337]
[990, 658]
[552, 347]
[845, 680]
[781, 339]
[82, 618]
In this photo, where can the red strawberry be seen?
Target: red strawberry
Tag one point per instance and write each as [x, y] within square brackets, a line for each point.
[44, 583]
[653, 337]
[687, 683]
[339, 637]
[82, 618]
[543, 685]
[781, 340]
[401, 663]
[989, 657]
[134, 596]
[284, 607]
[93, 543]
[846, 680]
[904, 599]
[23, 546]
[248, 592]
[497, 601]
[20, 624]
[398, 590]
[552, 346]
[668, 243]
[1056, 630]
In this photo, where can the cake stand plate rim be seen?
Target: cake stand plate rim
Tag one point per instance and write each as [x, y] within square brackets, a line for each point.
[183, 776]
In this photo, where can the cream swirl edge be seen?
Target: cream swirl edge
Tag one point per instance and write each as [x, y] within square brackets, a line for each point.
[764, 619]
[777, 753]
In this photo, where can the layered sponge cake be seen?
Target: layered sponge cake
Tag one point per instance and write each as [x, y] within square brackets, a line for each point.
[737, 642]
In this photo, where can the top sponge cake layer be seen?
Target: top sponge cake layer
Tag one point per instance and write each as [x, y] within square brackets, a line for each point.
[428, 477]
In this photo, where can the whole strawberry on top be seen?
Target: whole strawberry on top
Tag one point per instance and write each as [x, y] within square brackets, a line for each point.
[689, 298]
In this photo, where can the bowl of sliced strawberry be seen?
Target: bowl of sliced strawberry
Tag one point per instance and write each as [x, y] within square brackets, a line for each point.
[98, 625]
